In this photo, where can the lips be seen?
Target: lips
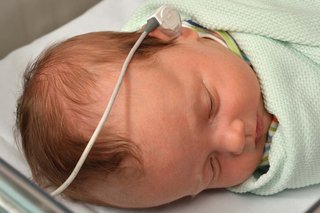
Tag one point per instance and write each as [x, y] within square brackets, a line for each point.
[259, 128]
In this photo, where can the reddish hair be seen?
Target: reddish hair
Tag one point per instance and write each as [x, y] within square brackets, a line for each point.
[54, 112]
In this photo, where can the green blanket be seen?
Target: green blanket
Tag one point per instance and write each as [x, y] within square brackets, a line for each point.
[282, 40]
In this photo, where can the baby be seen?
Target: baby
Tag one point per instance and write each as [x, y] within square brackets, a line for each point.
[189, 116]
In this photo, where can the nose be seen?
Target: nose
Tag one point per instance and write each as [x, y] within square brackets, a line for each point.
[232, 138]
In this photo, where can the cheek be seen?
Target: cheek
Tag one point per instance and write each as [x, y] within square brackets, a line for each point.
[243, 74]
[254, 82]
[235, 170]
[245, 91]
[237, 82]
[251, 81]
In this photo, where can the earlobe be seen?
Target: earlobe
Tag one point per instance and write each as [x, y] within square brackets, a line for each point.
[186, 33]
[158, 33]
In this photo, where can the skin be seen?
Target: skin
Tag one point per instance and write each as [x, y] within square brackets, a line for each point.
[198, 117]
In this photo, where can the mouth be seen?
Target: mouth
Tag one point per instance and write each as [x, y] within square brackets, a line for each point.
[259, 129]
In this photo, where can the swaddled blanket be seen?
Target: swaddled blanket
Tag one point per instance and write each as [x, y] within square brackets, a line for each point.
[282, 40]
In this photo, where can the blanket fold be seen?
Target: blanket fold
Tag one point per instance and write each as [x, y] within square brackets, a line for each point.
[282, 40]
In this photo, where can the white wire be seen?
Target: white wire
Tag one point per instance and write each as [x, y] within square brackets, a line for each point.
[102, 120]
[207, 35]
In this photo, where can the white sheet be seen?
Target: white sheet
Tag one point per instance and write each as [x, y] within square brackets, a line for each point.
[111, 15]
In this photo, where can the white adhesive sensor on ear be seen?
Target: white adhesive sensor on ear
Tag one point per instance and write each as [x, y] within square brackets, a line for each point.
[169, 20]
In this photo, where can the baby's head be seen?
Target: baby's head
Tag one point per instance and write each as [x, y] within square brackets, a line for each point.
[189, 116]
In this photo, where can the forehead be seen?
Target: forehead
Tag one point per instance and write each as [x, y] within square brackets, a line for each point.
[158, 101]
[158, 96]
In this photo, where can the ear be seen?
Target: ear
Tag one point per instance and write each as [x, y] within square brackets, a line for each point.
[160, 34]
[186, 33]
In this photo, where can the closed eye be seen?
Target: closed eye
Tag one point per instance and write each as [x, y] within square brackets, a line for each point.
[211, 162]
[213, 167]
[212, 104]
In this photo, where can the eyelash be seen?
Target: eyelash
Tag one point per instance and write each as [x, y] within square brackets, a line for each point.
[212, 104]
[213, 166]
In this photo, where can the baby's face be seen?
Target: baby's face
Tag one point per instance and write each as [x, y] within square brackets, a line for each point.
[198, 117]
